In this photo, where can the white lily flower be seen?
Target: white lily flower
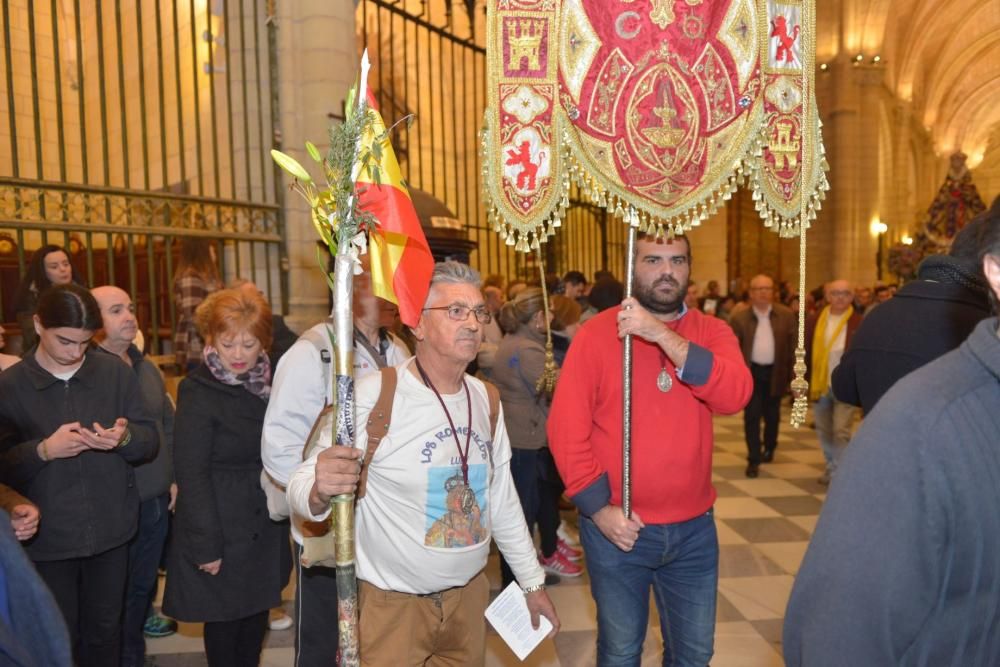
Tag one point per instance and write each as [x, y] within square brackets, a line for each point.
[359, 246]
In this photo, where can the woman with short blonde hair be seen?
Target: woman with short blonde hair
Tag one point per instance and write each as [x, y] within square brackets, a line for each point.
[224, 562]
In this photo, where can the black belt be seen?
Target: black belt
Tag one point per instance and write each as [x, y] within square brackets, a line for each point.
[756, 365]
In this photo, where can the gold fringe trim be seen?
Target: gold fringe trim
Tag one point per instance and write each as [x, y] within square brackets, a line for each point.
[527, 236]
[550, 375]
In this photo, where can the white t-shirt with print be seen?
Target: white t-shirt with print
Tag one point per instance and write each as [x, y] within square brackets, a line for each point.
[300, 389]
[419, 528]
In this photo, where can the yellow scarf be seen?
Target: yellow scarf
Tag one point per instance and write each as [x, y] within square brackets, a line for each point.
[820, 378]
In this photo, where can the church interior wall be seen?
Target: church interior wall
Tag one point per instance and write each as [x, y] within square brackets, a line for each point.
[886, 139]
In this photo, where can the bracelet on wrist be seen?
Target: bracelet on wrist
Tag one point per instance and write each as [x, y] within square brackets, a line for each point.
[126, 438]
[533, 589]
[43, 446]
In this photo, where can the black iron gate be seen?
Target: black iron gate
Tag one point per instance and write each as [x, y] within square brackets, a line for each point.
[429, 59]
[125, 125]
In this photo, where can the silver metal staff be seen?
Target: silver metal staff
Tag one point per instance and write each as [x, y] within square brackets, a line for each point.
[627, 386]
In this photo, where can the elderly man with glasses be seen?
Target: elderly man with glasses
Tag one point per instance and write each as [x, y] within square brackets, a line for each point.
[438, 488]
[302, 388]
[828, 334]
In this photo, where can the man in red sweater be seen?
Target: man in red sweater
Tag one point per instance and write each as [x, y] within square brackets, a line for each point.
[686, 367]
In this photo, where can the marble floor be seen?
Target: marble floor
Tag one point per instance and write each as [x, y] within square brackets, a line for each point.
[764, 527]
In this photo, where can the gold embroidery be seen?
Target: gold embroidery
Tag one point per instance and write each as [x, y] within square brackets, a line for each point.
[733, 153]
[663, 13]
[525, 39]
[784, 147]
[604, 103]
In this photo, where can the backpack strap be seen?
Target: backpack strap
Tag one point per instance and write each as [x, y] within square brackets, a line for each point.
[378, 424]
[323, 346]
[494, 395]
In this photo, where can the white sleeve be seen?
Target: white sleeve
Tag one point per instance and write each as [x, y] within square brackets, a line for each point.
[300, 484]
[507, 517]
[297, 397]
[398, 352]
[303, 476]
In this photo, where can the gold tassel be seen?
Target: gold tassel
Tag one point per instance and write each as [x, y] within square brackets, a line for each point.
[800, 386]
[547, 381]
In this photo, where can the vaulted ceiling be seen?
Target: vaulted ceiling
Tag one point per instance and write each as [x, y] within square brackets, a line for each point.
[942, 56]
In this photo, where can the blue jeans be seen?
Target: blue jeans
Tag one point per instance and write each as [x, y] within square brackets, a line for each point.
[144, 553]
[680, 561]
[834, 420]
[538, 488]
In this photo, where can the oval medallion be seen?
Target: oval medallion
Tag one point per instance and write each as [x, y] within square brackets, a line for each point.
[663, 381]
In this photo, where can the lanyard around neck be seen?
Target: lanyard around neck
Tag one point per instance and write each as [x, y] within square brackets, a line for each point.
[463, 456]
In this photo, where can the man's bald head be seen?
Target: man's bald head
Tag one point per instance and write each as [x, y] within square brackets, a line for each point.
[118, 314]
[761, 291]
[108, 293]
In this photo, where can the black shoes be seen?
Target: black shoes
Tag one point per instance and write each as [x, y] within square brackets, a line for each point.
[752, 471]
[768, 456]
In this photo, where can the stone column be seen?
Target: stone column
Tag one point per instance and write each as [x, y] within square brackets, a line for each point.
[317, 63]
[841, 245]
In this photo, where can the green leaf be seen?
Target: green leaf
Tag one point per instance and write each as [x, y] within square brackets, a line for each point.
[313, 152]
[289, 164]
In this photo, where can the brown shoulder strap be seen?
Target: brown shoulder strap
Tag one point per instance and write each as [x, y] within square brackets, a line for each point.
[494, 395]
[378, 424]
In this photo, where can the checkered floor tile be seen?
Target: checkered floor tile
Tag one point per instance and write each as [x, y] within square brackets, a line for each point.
[764, 526]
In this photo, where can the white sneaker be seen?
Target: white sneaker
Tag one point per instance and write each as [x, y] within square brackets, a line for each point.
[568, 534]
[279, 620]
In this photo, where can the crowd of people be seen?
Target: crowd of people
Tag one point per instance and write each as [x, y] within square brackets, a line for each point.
[461, 442]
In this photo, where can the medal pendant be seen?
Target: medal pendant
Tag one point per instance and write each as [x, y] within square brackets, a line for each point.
[663, 381]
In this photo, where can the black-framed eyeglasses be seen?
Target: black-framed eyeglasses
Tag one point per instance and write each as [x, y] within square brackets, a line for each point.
[460, 313]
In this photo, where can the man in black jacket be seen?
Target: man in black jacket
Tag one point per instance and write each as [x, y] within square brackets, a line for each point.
[153, 479]
[902, 566]
[925, 319]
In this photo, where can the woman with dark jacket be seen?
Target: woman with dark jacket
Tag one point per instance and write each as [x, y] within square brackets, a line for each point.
[223, 562]
[519, 363]
[72, 424]
[49, 266]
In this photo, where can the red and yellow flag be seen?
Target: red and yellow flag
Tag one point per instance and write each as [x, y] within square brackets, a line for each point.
[401, 260]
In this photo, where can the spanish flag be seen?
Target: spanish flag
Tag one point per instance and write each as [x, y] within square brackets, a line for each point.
[401, 260]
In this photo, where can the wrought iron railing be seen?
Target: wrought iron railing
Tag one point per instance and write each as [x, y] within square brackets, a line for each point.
[126, 125]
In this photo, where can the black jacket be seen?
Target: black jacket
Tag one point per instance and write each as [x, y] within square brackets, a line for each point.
[221, 508]
[153, 478]
[89, 502]
[921, 322]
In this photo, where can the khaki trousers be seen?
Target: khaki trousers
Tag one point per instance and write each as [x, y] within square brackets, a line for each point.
[442, 630]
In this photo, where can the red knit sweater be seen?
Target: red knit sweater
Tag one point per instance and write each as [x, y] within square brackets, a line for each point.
[671, 432]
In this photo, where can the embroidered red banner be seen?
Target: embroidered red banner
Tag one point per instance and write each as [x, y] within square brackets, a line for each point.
[657, 108]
